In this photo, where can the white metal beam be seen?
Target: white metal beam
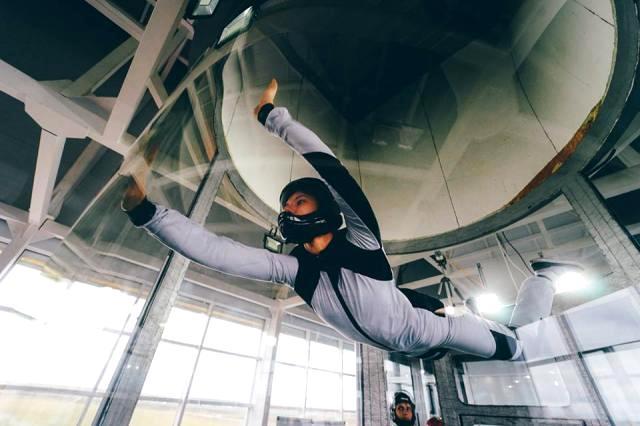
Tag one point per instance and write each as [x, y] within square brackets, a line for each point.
[161, 27]
[56, 113]
[157, 90]
[49, 156]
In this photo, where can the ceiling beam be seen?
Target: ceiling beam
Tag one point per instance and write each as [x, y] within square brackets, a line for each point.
[47, 165]
[77, 118]
[158, 32]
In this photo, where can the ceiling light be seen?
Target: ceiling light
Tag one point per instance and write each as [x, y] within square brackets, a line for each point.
[202, 8]
[571, 281]
[488, 303]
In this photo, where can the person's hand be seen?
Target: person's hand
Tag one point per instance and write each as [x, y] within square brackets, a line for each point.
[136, 189]
[268, 96]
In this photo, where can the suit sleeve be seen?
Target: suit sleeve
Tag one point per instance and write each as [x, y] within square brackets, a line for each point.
[220, 253]
[362, 226]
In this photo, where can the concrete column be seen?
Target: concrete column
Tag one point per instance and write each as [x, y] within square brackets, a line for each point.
[613, 240]
[373, 408]
[124, 390]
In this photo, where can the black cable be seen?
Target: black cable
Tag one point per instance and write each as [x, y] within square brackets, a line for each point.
[526, 265]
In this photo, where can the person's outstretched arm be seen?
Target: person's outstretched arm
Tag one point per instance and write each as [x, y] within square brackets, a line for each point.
[195, 242]
[362, 226]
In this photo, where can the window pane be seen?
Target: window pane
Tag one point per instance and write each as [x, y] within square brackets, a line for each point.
[349, 361]
[170, 371]
[185, 326]
[292, 349]
[39, 408]
[349, 393]
[233, 334]
[213, 415]
[323, 390]
[324, 354]
[223, 377]
[617, 375]
[154, 413]
[289, 386]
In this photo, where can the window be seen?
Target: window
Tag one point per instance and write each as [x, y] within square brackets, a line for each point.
[204, 367]
[61, 340]
[314, 376]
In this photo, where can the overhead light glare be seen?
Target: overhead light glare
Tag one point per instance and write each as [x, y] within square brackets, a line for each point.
[488, 303]
[570, 282]
[202, 8]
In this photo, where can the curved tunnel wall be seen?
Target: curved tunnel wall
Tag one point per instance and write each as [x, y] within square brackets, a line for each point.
[439, 150]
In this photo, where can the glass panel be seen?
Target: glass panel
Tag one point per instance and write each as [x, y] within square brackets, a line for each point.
[159, 413]
[170, 371]
[292, 349]
[349, 393]
[349, 360]
[323, 390]
[289, 386]
[238, 335]
[79, 325]
[324, 353]
[203, 414]
[222, 377]
[185, 326]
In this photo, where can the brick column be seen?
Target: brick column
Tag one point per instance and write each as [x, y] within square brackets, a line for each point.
[612, 239]
[373, 409]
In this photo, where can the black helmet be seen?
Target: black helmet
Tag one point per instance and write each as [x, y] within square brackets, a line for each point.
[398, 398]
[302, 229]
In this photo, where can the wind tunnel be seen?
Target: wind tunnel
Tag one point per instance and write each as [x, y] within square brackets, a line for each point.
[444, 111]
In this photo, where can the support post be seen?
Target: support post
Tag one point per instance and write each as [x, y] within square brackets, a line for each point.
[611, 238]
[121, 398]
[372, 387]
[259, 416]
[161, 27]
[49, 156]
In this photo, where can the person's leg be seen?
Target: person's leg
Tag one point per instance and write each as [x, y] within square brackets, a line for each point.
[419, 300]
[535, 296]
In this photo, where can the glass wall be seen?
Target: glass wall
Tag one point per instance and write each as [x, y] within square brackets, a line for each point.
[204, 369]
[61, 341]
[314, 376]
[589, 340]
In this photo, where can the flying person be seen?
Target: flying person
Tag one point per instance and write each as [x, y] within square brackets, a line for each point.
[338, 266]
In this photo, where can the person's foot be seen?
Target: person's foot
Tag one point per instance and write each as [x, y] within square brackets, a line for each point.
[268, 96]
[546, 265]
